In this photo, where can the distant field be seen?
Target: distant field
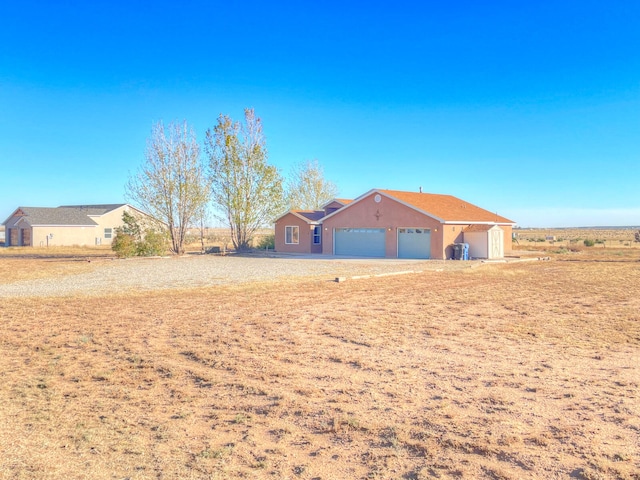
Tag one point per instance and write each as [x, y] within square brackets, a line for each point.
[506, 371]
[607, 237]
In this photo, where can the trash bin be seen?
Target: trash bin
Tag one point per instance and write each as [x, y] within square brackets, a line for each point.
[465, 251]
[457, 251]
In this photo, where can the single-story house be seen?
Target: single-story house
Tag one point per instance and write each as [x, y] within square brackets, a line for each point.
[66, 225]
[395, 224]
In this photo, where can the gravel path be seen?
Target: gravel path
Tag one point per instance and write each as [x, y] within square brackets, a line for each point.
[142, 274]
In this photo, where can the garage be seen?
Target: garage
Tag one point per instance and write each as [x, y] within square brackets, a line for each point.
[360, 242]
[414, 243]
[26, 237]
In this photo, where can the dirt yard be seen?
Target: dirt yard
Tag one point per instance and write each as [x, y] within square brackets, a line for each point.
[505, 371]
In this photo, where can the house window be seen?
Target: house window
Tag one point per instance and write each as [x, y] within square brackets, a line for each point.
[108, 232]
[292, 235]
[316, 234]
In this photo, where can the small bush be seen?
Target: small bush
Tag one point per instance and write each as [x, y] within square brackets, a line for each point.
[268, 242]
[589, 243]
[124, 245]
[154, 243]
[132, 240]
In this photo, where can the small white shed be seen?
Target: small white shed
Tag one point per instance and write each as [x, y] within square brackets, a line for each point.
[485, 241]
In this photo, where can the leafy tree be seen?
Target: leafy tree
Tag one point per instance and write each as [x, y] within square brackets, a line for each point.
[171, 184]
[307, 188]
[130, 226]
[247, 190]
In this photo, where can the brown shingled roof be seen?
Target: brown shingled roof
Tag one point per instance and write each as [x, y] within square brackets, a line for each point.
[446, 207]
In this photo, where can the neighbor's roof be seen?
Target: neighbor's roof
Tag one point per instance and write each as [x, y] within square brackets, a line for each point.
[446, 207]
[70, 215]
[96, 209]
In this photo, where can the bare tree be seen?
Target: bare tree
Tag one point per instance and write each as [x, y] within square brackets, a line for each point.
[245, 187]
[171, 184]
[307, 188]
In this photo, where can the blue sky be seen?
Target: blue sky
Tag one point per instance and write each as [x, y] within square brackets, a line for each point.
[530, 109]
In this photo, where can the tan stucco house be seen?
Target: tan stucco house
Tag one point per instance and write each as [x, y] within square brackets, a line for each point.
[395, 224]
[67, 225]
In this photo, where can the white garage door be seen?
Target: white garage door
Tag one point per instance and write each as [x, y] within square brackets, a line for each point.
[414, 243]
[361, 242]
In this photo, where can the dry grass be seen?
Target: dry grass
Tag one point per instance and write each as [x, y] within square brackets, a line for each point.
[509, 371]
[611, 237]
[29, 263]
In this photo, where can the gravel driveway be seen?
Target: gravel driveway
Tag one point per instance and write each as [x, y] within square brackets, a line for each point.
[145, 274]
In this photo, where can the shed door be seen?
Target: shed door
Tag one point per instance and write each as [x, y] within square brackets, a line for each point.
[360, 242]
[414, 243]
[496, 243]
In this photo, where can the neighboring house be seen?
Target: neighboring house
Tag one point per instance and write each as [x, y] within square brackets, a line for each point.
[66, 225]
[395, 224]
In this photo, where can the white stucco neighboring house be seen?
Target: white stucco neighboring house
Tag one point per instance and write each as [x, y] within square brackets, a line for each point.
[66, 225]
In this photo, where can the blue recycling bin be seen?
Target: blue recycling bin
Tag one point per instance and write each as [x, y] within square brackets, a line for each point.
[465, 251]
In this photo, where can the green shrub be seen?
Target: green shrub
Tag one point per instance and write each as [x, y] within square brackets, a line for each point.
[153, 244]
[132, 240]
[123, 244]
[589, 243]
